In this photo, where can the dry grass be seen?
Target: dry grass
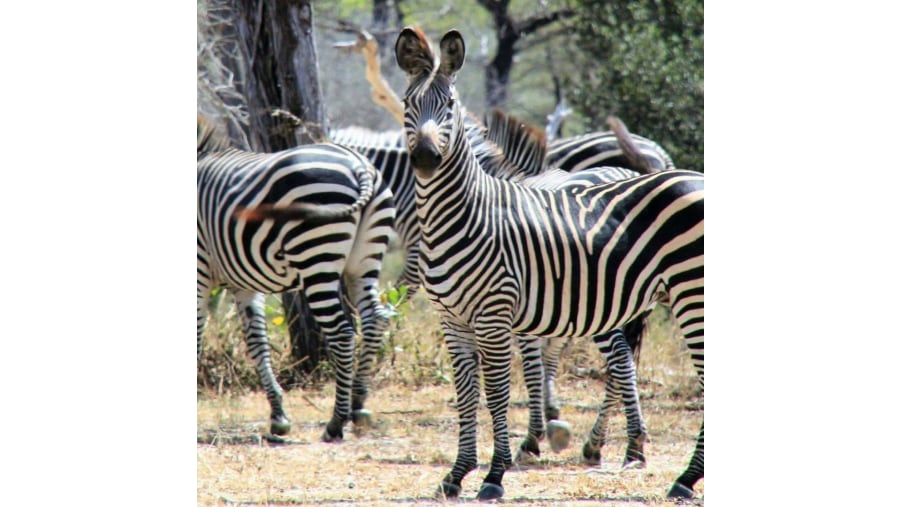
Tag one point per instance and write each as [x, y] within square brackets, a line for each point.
[403, 458]
[412, 447]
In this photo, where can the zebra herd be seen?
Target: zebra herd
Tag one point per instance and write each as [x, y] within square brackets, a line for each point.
[512, 240]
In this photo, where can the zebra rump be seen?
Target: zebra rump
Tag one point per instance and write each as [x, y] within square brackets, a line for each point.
[352, 214]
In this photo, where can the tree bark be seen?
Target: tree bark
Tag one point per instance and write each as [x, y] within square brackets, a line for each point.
[285, 107]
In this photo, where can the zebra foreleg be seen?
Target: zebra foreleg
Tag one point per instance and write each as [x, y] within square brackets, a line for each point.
[464, 358]
[621, 384]
[251, 308]
[409, 275]
[495, 348]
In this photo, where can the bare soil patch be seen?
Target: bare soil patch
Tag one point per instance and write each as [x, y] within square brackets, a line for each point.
[413, 444]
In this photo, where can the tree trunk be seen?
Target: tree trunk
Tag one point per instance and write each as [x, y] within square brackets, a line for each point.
[285, 107]
[381, 10]
[497, 74]
[509, 31]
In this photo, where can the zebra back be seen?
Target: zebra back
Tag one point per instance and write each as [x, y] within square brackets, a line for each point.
[596, 149]
[357, 138]
[557, 179]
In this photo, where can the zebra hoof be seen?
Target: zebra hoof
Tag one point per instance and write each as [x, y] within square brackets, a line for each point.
[329, 438]
[634, 459]
[633, 464]
[332, 434]
[362, 419]
[489, 492]
[526, 458]
[529, 452]
[680, 491]
[449, 490]
[559, 433]
[280, 426]
[591, 455]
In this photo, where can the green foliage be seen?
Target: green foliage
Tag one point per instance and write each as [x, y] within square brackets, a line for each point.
[643, 61]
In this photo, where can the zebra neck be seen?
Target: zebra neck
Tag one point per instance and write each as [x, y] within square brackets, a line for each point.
[456, 188]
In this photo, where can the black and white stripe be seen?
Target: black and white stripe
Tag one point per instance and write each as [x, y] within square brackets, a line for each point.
[633, 152]
[348, 214]
[501, 259]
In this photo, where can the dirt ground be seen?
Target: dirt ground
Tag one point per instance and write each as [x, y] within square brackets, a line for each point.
[402, 459]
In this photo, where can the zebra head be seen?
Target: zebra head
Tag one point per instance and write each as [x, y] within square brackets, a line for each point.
[432, 122]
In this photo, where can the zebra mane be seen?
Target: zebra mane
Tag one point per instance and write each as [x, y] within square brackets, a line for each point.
[209, 137]
[523, 145]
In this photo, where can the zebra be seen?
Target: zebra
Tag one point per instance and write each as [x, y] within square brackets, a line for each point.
[496, 152]
[338, 230]
[643, 155]
[509, 148]
[500, 258]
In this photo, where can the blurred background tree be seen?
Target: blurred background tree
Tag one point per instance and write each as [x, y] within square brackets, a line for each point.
[643, 61]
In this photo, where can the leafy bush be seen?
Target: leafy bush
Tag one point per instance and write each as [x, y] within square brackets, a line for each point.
[643, 61]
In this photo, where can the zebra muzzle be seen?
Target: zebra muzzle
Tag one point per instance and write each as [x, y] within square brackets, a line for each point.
[425, 156]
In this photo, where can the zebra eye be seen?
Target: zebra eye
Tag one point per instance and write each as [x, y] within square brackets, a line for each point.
[450, 102]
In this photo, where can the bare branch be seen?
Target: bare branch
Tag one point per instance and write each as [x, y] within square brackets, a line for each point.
[542, 38]
[382, 93]
[313, 129]
[533, 23]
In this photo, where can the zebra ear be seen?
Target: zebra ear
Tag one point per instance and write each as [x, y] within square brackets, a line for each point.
[453, 53]
[413, 52]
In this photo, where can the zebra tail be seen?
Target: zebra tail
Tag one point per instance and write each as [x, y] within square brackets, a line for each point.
[291, 212]
[631, 152]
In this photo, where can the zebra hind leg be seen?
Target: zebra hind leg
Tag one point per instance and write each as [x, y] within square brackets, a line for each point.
[202, 317]
[689, 315]
[326, 306]
[251, 308]
[684, 485]
[621, 385]
[374, 319]
[530, 451]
